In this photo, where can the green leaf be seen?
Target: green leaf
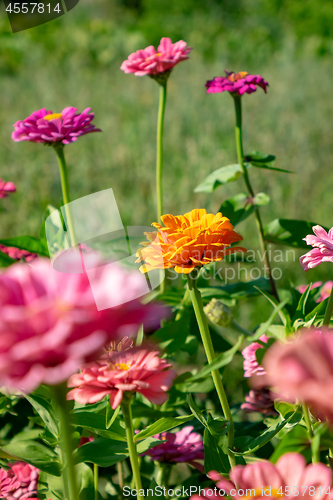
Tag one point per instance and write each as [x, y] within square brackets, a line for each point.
[244, 289]
[289, 232]
[50, 487]
[173, 335]
[264, 327]
[96, 423]
[296, 440]
[216, 456]
[180, 383]
[148, 443]
[239, 207]
[111, 416]
[5, 260]
[220, 176]
[162, 425]
[35, 454]
[196, 411]
[85, 480]
[101, 451]
[28, 243]
[45, 411]
[262, 160]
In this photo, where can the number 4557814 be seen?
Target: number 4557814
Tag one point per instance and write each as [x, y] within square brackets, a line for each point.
[30, 8]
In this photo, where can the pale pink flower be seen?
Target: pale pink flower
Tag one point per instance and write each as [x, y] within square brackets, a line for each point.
[52, 128]
[139, 369]
[153, 62]
[17, 253]
[236, 83]
[290, 476]
[302, 369]
[322, 251]
[260, 401]
[6, 188]
[251, 365]
[182, 446]
[325, 292]
[302, 288]
[50, 325]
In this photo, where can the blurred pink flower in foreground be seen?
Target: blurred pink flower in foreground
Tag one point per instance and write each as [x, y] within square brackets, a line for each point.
[45, 126]
[322, 251]
[261, 401]
[236, 83]
[302, 369]
[251, 365]
[50, 325]
[18, 254]
[139, 369]
[6, 188]
[325, 291]
[290, 476]
[19, 482]
[152, 62]
[181, 446]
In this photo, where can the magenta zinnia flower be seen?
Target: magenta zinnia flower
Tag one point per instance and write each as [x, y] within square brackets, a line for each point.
[52, 128]
[251, 365]
[266, 480]
[322, 251]
[260, 401]
[50, 325]
[6, 188]
[152, 62]
[181, 446]
[139, 369]
[18, 254]
[236, 83]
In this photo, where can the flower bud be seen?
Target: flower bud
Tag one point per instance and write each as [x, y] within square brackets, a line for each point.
[218, 313]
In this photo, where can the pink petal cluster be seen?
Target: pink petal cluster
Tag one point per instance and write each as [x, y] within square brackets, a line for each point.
[290, 476]
[18, 254]
[325, 291]
[322, 244]
[251, 365]
[6, 188]
[150, 61]
[260, 401]
[302, 369]
[236, 83]
[52, 128]
[139, 369]
[50, 325]
[181, 446]
[19, 482]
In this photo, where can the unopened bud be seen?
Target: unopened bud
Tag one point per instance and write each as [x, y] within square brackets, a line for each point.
[218, 313]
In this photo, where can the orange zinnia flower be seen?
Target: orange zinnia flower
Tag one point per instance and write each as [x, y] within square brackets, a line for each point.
[188, 241]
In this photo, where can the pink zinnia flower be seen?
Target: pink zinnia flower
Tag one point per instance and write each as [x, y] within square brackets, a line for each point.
[236, 83]
[139, 369]
[6, 187]
[322, 251]
[261, 401]
[266, 480]
[325, 292]
[181, 446]
[302, 288]
[27, 475]
[50, 325]
[153, 62]
[302, 369]
[52, 128]
[18, 254]
[8, 483]
[251, 365]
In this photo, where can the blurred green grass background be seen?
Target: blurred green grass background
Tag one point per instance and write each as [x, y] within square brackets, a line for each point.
[75, 60]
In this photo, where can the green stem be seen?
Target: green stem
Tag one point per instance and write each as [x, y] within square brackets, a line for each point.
[209, 350]
[66, 445]
[96, 481]
[240, 156]
[65, 192]
[120, 479]
[329, 310]
[127, 414]
[315, 458]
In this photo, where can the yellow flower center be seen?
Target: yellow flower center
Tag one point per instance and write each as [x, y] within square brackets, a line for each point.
[259, 492]
[237, 76]
[53, 116]
[122, 366]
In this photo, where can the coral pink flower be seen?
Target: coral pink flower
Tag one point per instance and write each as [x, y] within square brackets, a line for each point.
[261, 401]
[139, 369]
[251, 365]
[152, 62]
[8, 483]
[322, 251]
[181, 446]
[50, 325]
[6, 187]
[18, 254]
[302, 369]
[236, 83]
[52, 128]
[27, 475]
[290, 476]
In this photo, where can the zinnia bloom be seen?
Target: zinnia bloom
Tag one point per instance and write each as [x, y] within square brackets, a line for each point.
[6, 188]
[325, 291]
[50, 325]
[18, 254]
[251, 365]
[139, 369]
[181, 446]
[153, 62]
[260, 401]
[19, 482]
[302, 369]
[322, 251]
[266, 480]
[236, 83]
[52, 128]
[188, 241]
